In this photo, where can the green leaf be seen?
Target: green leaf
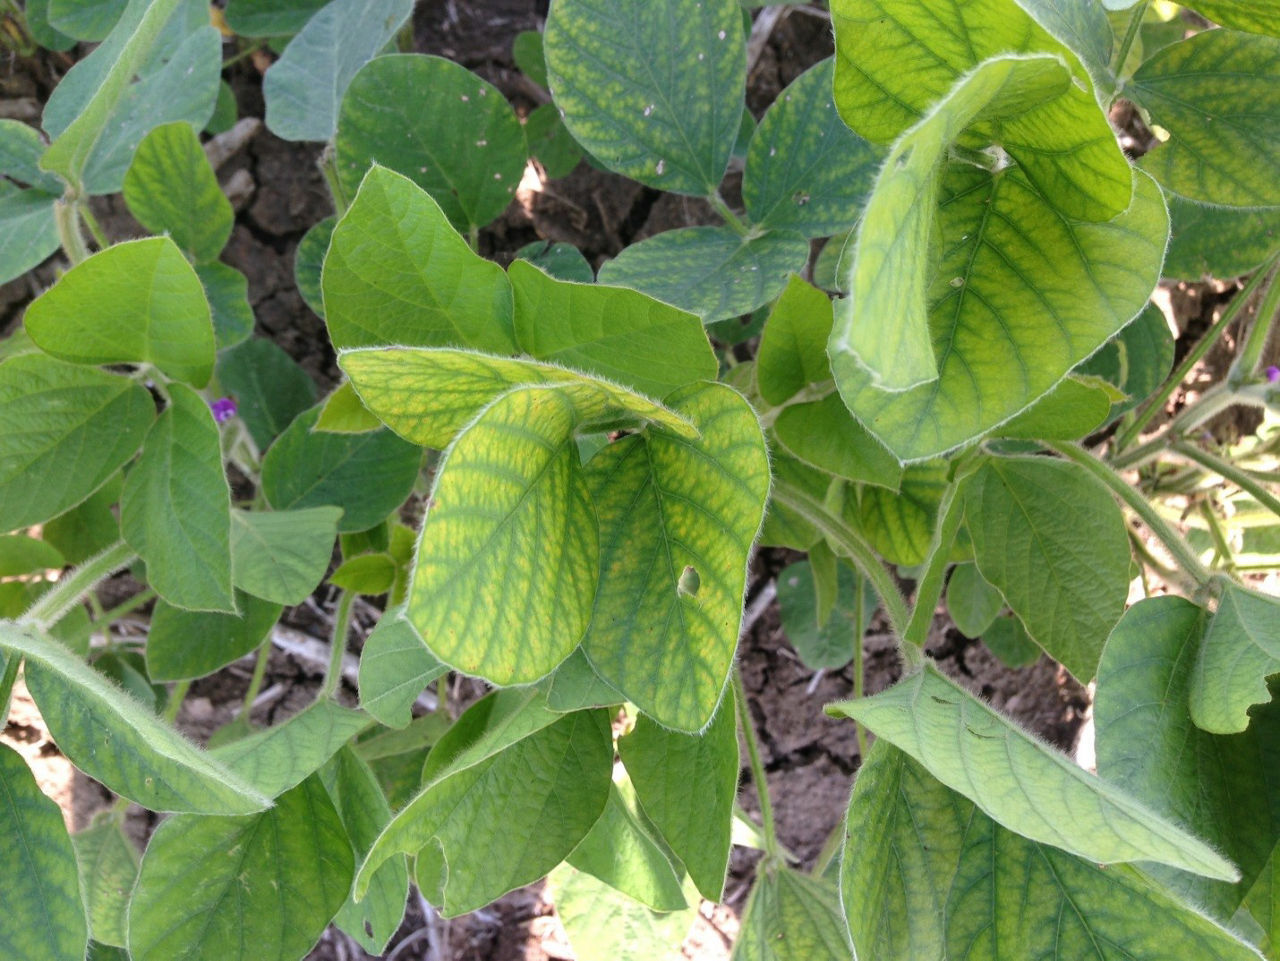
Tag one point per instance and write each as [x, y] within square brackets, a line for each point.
[308, 261]
[269, 883]
[1147, 745]
[621, 850]
[1053, 542]
[709, 271]
[615, 333]
[828, 645]
[367, 475]
[550, 142]
[575, 685]
[222, 638]
[1240, 650]
[225, 111]
[823, 434]
[171, 188]
[1256, 16]
[270, 18]
[926, 875]
[791, 917]
[1083, 27]
[793, 346]
[509, 490]
[1007, 639]
[147, 761]
[666, 503]
[1137, 360]
[686, 785]
[227, 291]
[43, 918]
[443, 127]
[88, 528]
[36, 13]
[108, 867]
[137, 302]
[526, 51]
[281, 757]
[1223, 143]
[972, 601]
[398, 273]
[365, 812]
[20, 151]
[282, 555]
[806, 171]
[1019, 782]
[893, 64]
[89, 20]
[28, 232]
[1071, 410]
[1077, 169]
[344, 413]
[899, 524]
[601, 922]
[176, 507]
[561, 261]
[395, 667]
[653, 89]
[429, 395]
[20, 554]
[303, 90]
[482, 830]
[371, 574]
[1218, 241]
[269, 387]
[1263, 905]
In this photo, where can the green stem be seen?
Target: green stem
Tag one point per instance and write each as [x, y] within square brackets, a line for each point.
[255, 682]
[1156, 403]
[66, 215]
[732, 220]
[6, 684]
[1177, 547]
[95, 228]
[1130, 34]
[1220, 544]
[858, 611]
[52, 606]
[929, 592]
[1250, 358]
[109, 617]
[176, 697]
[248, 51]
[1167, 574]
[850, 543]
[341, 627]
[773, 850]
[1225, 469]
[328, 165]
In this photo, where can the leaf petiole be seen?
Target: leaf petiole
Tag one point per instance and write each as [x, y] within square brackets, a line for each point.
[52, 606]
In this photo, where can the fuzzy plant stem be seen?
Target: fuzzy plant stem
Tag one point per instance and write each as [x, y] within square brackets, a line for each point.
[1250, 357]
[52, 606]
[1130, 35]
[341, 628]
[6, 683]
[772, 850]
[1225, 469]
[950, 513]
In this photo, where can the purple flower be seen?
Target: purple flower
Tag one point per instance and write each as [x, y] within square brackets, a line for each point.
[1273, 374]
[224, 408]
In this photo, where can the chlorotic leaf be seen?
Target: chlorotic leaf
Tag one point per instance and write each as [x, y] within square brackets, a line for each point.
[1256, 16]
[792, 917]
[344, 413]
[602, 922]
[899, 524]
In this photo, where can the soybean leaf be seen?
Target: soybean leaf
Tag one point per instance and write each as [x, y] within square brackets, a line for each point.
[36, 13]
[171, 188]
[526, 807]
[653, 90]
[550, 142]
[792, 916]
[1137, 360]
[303, 90]
[269, 883]
[575, 685]
[806, 171]
[526, 51]
[1008, 341]
[710, 271]
[668, 505]
[308, 261]
[270, 18]
[43, 917]
[621, 850]
[899, 524]
[395, 667]
[371, 574]
[225, 110]
[1083, 27]
[113, 739]
[269, 387]
[175, 510]
[686, 785]
[20, 152]
[1263, 904]
[73, 427]
[793, 346]
[616, 333]
[1053, 542]
[1240, 649]
[398, 273]
[461, 143]
[1007, 639]
[972, 601]
[21, 554]
[367, 475]
[509, 490]
[89, 20]
[365, 812]
[429, 394]
[1076, 407]
[343, 413]
[1067, 155]
[28, 232]
[227, 291]
[108, 867]
[282, 756]
[1223, 143]
[823, 434]
[561, 261]
[1256, 16]
[1217, 786]
[828, 644]
[1218, 241]
[601, 922]
[491, 725]
[1022, 784]
[88, 528]
[184, 645]
[136, 302]
[927, 875]
[282, 555]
